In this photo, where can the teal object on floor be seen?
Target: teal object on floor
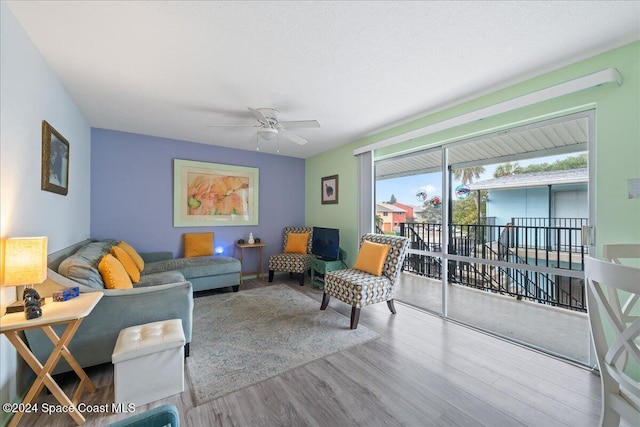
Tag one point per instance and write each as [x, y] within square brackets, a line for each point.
[161, 416]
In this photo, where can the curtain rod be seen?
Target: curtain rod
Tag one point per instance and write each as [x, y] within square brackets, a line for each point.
[571, 86]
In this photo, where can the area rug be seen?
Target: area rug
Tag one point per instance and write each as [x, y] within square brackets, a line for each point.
[246, 337]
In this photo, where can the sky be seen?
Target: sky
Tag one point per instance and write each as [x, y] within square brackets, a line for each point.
[405, 188]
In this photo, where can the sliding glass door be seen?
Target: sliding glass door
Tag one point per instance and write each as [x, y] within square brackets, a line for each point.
[496, 234]
[408, 202]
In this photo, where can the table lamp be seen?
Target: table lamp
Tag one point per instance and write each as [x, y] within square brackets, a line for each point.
[25, 263]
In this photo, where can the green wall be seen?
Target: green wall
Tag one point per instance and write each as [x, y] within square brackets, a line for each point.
[617, 151]
[342, 215]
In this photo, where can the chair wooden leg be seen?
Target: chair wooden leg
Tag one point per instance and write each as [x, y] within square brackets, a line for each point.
[302, 279]
[391, 306]
[355, 316]
[325, 301]
[270, 275]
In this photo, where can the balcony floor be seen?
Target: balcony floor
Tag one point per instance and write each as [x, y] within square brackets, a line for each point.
[558, 331]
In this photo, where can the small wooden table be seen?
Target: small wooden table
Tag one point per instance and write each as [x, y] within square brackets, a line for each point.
[242, 247]
[69, 312]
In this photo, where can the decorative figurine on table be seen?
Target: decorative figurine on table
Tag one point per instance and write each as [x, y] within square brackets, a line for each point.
[32, 304]
[251, 241]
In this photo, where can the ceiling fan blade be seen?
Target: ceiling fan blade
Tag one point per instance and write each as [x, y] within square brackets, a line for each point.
[292, 137]
[258, 114]
[287, 124]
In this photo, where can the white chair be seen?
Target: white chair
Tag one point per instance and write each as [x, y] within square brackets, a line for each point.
[617, 252]
[612, 297]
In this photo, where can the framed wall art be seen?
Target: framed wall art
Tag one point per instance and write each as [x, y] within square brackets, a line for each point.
[212, 194]
[55, 161]
[329, 189]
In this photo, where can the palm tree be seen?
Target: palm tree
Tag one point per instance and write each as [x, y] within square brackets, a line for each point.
[468, 174]
[507, 169]
[379, 221]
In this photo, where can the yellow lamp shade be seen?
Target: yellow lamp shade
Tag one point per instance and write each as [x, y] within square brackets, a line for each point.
[25, 261]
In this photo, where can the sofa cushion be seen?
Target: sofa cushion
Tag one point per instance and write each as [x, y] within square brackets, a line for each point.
[196, 267]
[128, 264]
[294, 263]
[133, 254]
[162, 278]
[82, 267]
[198, 244]
[113, 273]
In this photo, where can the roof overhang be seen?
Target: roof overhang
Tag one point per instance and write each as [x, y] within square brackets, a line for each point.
[563, 135]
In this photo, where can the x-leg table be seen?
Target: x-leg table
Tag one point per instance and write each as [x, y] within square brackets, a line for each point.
[71, 313]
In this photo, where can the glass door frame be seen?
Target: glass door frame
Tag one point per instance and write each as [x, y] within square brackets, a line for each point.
[446, 257]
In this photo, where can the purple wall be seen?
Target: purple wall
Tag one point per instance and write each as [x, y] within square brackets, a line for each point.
[132, 193]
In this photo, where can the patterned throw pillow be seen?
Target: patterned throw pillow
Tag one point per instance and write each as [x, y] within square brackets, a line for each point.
[371, 257]
[113, 273]
[297, 243]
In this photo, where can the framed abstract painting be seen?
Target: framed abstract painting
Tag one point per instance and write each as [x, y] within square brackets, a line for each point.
[212, 194]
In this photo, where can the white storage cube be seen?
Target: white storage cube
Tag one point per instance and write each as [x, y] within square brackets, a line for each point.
[148, 362]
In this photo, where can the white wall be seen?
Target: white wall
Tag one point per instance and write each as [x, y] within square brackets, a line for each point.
[30, 93]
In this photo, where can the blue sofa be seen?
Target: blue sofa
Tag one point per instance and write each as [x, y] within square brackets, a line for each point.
[165, 292]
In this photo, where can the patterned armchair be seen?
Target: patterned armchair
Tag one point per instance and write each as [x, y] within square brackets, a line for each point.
[359, 288]
[292, 262]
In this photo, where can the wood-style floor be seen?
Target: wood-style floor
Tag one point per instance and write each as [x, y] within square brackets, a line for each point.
[422, 371]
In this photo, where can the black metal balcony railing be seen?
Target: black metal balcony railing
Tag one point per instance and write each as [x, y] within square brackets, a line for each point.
[550, 222]
[565, 232]
[541, 245]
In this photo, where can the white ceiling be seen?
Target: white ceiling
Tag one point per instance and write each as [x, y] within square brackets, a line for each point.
[170, 68]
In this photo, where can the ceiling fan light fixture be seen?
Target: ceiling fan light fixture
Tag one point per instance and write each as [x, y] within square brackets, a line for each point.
[267, 133]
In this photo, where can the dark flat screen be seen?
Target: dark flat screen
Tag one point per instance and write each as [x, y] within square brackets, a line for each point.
[326, 243]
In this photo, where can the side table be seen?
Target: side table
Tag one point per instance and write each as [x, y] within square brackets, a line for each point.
[69, 312]
[320, 267]
[241, 247]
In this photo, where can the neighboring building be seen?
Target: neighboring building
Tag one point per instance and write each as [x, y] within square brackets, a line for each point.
[548, 210]
[391, 217]
[418, 212]
[555, 194]
[409, 209]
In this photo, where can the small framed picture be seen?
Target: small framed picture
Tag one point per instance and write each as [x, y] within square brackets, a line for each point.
[329, 190]
[55, 161]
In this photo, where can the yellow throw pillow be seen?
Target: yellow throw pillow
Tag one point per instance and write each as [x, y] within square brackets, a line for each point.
[371, 257]
[130, 267]
[198, 244]
[297, 243]
[113, 273]
[133, 254]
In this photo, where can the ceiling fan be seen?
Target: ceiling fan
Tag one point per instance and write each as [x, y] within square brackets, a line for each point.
[269, 125]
